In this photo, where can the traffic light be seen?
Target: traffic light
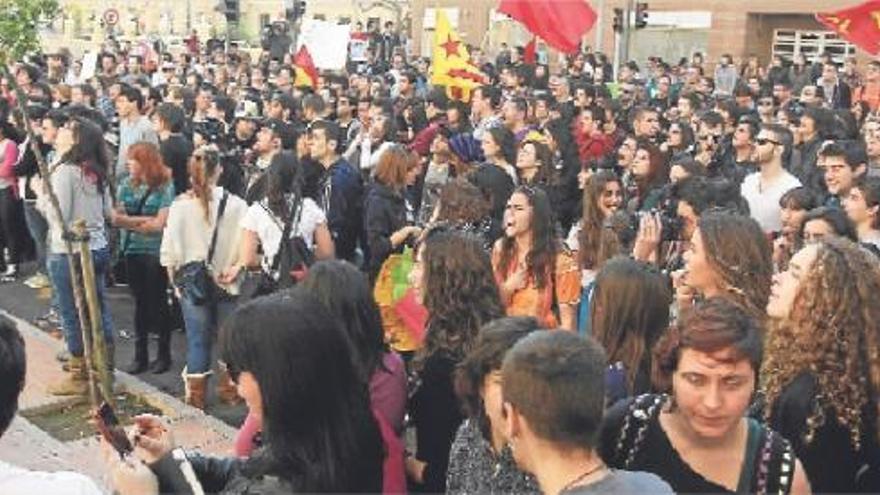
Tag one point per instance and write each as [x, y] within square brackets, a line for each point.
[618, 20]
[232, 11]
[641, 15]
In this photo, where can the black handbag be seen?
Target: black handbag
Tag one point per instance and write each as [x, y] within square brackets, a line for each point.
[194, 279]
[293, 254]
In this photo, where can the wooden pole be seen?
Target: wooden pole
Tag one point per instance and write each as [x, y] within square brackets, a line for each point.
[89, 287]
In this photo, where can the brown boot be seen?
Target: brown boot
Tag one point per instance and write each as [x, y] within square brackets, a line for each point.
[76, 382]
[226, 389]
[194, 386]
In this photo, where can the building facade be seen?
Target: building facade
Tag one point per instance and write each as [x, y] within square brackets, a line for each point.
[676, 28]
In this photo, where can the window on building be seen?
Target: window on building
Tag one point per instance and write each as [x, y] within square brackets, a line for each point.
[788, 42]
[319, 17]
[265, 19]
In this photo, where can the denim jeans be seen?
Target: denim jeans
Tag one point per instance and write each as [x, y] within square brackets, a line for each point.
[59, 273]
[39, 230]
[201, 324]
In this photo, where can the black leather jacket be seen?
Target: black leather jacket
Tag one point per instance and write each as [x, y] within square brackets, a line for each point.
[214, 474]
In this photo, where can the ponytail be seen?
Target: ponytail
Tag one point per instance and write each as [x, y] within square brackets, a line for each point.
[202, 166]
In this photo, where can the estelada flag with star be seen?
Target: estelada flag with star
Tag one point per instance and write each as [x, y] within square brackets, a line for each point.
[451, 66]
[306, 72]
[860, 25]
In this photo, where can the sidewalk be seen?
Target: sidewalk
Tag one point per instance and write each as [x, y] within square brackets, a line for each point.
[27, 446]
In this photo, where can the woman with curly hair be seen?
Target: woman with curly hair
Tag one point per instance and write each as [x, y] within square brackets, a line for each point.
[729, 257]
[697, 436]
[822, 369]
[463, 206]
[452, 276]
[603, 195]
[534, 270]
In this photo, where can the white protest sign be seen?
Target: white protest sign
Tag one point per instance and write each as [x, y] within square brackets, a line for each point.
[327, 43]
[89, 65]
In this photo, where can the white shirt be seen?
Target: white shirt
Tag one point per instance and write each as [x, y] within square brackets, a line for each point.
[764, 199]
[268, 228]
[18, 481]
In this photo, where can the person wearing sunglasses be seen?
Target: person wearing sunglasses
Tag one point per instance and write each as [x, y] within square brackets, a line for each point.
[763, 189]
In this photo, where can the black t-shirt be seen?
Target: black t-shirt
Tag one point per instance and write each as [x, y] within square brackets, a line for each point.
[830, 460]
[633, 439]
[176, 151]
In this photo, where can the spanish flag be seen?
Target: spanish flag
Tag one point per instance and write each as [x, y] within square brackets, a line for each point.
[860, 25]
[451, 64]
[306, 72]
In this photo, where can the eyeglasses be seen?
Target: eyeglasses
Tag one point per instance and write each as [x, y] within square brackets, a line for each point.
[763, 141]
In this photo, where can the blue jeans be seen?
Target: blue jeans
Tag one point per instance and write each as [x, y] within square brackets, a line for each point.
[39, 230]
[201, 324]
[59, 273]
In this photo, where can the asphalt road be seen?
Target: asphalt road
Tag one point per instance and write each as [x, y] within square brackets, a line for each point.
[28, 304]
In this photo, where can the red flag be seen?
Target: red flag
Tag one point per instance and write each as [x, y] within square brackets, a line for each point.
[306, 72]
[859, 25]
[561, 23]
[530, 55]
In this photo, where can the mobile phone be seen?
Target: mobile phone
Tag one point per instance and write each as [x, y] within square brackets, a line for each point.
[109, 427]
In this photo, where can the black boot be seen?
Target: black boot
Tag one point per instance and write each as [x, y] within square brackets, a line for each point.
[141, 357]
[163, 357]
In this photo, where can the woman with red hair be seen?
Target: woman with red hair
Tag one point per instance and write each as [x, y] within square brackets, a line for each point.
[143, 198]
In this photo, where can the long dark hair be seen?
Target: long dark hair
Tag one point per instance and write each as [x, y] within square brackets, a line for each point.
[318, 431]
[280, 179]
[460, 292]
[89, 151]
[346, 292]
[629, 311]
[506, 141]
[540, 259]
[592, 223]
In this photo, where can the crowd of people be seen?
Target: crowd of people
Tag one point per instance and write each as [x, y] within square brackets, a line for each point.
[580, 280]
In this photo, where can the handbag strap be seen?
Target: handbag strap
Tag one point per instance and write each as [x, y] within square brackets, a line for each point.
[293, 217]
[220, 211]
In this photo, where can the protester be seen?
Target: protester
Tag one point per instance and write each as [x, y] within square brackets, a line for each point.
[821, 373]
[729, 258]
[553, 393]
[480, 460]
[629, 312]
[863, 209]
[80, 180]
[144, 197]
[532, 267]
[203, 227]
[267, 219]
[453, 279]
[709, 364]
[602, 196]
[388, 216]
[319, 434]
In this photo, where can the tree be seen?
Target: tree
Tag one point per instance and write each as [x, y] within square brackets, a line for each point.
[19, 36]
